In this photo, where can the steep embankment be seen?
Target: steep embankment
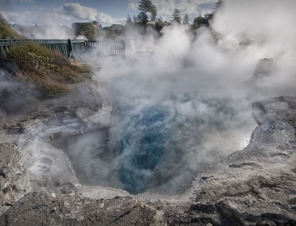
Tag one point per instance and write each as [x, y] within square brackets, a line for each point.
[5, 31]
[50, 71]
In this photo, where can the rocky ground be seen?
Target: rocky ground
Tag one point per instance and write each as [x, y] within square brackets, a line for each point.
[255, 186]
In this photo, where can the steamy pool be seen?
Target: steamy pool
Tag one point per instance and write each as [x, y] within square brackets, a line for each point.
[155, 149]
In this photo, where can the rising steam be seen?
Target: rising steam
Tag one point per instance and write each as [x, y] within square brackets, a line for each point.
[182, 102]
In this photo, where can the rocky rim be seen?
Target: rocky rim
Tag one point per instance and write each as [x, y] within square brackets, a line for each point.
[254, 186]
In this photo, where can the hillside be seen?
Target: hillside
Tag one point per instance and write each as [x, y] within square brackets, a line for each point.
[50, 71]
[5, 31]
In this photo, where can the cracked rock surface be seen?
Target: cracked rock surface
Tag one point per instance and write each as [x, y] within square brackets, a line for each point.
[66, 210]
[254, 186]
[12, 180]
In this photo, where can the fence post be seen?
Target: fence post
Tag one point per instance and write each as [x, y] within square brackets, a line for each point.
[70, 49]
[123, 43]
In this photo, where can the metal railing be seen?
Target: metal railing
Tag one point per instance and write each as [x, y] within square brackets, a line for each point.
[107, 46]
[69, 48]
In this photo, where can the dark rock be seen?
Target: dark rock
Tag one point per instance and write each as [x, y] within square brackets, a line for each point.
[26, 125]
[255, 186]
[263, 68]
[67, 188]
[205, 208]
[42, 209]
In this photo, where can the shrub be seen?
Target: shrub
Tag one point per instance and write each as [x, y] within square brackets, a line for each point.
[50, 71]
[5, 31]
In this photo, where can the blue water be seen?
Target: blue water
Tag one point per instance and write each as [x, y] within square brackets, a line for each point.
[142, 148]
[154, 149]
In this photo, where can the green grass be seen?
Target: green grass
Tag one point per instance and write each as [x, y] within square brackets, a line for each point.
[6, 32]
[50, 71]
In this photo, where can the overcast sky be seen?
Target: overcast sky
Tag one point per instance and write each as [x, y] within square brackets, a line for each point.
[107, 12]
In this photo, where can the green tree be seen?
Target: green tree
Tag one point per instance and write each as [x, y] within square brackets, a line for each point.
[153, 12]
[142, 19]
[86, 29]
[135, 19]
[129, 20]
[159, 24]
[176, 16]
[208, 16]
[148, 11]
[186, 19]
[145, 6]
[198, 22]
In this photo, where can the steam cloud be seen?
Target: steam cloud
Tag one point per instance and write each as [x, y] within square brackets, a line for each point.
[46, 28]
[182, 103]
[17, 96]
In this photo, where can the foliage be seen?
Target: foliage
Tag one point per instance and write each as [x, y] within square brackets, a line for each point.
[159, 24]
[202, 21]
[148, 12]
[153, 12]
[142, 19]
[112, 32]
[86, 29]
[176, 16]
[5, 31]
[50, 71]
[208, 17]
[134, 19]
[186, 19]
[129, 19]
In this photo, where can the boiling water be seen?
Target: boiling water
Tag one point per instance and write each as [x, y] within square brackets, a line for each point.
[153, 150]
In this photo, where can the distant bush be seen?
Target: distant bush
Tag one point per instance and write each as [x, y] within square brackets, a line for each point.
[113, 32]
[50, 71]
[86, 29]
